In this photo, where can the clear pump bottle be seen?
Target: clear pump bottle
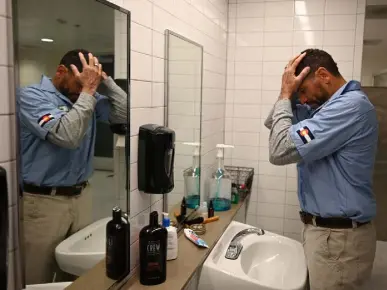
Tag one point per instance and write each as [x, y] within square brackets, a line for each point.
[192, 179]
[220, 183]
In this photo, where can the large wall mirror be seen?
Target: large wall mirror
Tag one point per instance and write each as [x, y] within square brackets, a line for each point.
[73, 122]
[374, 82]
[184, 74]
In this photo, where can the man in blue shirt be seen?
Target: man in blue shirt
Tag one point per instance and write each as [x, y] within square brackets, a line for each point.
[57, 120]
[332, 136]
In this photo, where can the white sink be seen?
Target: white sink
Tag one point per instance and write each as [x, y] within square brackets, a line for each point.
[49, 286]
[84, 249]
[267, 262]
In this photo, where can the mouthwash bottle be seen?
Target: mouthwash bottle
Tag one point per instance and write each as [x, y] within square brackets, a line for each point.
[192, 179]
[220, 183]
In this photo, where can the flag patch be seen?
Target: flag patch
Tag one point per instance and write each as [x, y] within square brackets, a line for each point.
[305, 135]
[43, 120]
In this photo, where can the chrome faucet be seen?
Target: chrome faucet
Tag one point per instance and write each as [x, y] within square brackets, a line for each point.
[235, 247]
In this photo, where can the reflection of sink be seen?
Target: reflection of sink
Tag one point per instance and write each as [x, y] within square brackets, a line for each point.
[48, 286]
[267, 262]
[84, 249]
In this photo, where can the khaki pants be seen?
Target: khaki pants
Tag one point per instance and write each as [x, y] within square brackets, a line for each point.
[48, 220]
[339, 259]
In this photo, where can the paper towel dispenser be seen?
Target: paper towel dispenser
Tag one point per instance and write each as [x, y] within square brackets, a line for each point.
[156, 152]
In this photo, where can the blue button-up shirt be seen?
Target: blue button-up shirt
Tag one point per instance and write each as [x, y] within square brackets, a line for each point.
[43, 163]
[338, 144]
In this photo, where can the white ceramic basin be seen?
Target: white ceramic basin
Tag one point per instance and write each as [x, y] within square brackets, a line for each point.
[48, 286]
[267, 262]
[84, 249]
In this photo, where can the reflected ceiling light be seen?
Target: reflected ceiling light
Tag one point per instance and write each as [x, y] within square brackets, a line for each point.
[47, 40]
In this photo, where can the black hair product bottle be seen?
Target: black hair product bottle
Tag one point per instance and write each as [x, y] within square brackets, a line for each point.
[117, 246]
[183, 207]
[153, 252]
[211, 211]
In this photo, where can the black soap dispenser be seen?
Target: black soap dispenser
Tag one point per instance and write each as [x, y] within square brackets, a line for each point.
[153, 252]
[117, 246]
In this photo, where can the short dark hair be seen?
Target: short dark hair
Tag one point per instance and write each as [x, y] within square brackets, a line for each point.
[72, 58]
[316, 58]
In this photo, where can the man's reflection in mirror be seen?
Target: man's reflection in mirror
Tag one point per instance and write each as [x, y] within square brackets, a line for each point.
[57, 119]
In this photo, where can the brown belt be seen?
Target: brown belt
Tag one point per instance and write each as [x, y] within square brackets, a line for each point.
[332, 222]
[60, 190]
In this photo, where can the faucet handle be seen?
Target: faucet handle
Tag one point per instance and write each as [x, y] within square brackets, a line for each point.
[233, 251]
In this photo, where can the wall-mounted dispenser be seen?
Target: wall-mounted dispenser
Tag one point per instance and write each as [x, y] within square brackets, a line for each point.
[3, 229]
[156, 152]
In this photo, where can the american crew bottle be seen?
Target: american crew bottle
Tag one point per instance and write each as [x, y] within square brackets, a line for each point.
[117, 246]
[153, 252]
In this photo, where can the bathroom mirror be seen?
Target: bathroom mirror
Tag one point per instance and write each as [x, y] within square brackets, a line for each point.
[74, 154]
[183, 76]
[374, 83]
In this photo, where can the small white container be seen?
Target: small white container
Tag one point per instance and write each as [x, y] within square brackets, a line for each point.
[172, 245]
[203, 210]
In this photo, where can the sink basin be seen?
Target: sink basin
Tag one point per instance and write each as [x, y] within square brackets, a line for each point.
[267, 262]
[49, 286]
[84, 249]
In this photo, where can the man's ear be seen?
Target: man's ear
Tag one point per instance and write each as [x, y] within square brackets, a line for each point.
[323, 75]
[61, 70]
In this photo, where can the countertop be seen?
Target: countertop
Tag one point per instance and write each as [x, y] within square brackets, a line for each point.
[179, 271]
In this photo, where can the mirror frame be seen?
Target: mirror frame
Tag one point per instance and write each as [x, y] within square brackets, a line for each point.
[169, 33]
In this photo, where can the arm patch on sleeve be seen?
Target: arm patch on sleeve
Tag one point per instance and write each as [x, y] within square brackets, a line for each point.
[305, 134]
[43, 120]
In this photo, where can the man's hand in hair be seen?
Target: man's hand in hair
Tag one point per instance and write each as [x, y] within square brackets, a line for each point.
[291, 82]
[91, 75]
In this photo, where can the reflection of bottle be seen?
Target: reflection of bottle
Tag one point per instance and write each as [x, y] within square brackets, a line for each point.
[220, 183]
[153, 252]
[117, 246]
[192, 179]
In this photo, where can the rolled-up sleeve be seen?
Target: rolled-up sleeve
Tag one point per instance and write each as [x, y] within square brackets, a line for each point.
[282, 149]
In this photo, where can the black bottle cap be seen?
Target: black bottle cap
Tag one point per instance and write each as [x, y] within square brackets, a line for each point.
[117, 214]
[154, 218]
[211, 204]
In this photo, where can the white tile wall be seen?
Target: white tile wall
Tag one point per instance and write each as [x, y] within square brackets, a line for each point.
[204, 22]
[254, 80]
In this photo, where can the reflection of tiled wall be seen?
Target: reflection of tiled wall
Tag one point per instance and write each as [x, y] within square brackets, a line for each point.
[204, 22]
[8, 132]
[184, 78]
[263, 36]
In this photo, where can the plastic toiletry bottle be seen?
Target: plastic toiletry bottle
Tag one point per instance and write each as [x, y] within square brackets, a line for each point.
[172, 245]
[211, 211]
[192, 178]
[203, 210]
[153, 252]
[220, 183]
[234, 194]
[117, 246]
[183, 207]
